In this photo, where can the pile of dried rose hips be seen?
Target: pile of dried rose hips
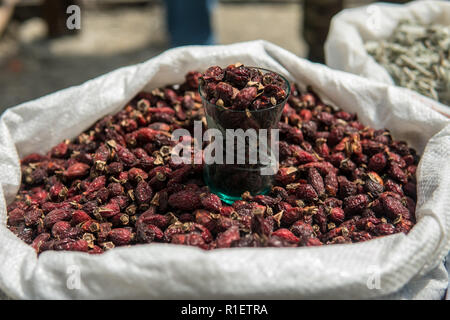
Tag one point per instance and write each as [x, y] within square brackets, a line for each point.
[115, 184]
[243, 88]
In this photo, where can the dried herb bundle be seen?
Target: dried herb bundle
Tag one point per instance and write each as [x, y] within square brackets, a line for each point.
[417, 56]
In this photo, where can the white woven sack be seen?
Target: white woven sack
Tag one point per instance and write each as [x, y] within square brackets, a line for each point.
[171, 271]
[351, 28]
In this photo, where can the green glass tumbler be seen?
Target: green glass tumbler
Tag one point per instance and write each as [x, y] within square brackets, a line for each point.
[229, 180]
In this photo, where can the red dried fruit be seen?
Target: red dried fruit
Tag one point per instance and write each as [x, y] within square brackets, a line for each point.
[186, 200]
[79, 216]
[97, 184]
[290, 215]
[377, 162]
[58, 191]
[156, 219]
[39, 240]
[149, 233]
[33, 216]
[146, 134]
[204, 218]
[374, 185]
[306, 192]
[224, 91]
[77, 170]
[126, 156]
[61, 229]
[226, 211]
[396, 159]
[394, 208]
[278, 242]
[179, 174]
[303, 231]
[225, 239]
[323, 167]
[191, 239]
[204, 232]
[384, 229]
[109, 210]
[101, 156]
[309, 129]
[397, 173]
[238, 76]
[296, 136]
[286, 235]
[32, 158]
[355, 204]
[410, 189]
[121, 236]
[213, 73]
[143, 192]
[262, 226]
[404, 226]
[16, 217]
[243, 88]
[346, 188]
[361, 236]
[101, 229]
[306, 115]
[211, 202]
[120, 219]
[245, 97]
[78, 245]
[192, 79]
[275, 90]
[337, 215]
[95, 250]
[331, 184]
[121, 201]
[286, 175]
[60, 150]
[114, 168]
[313, 242]
[316, 181]
[57, 215]
[115, 189]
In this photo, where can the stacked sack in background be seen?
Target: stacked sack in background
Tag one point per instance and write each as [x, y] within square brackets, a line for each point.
[407, 45]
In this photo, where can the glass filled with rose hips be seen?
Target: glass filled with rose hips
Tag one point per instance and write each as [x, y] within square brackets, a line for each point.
[243, 106]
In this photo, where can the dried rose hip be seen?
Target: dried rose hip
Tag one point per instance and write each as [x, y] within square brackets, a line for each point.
[286, 235]
[211, 202]
[121, 236]
[77, 170]
[185, 200]
[242, 88]
[143, 192]
[225, 239]
[245, 97]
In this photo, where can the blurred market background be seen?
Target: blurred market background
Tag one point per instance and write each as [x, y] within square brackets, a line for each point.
[39, 55]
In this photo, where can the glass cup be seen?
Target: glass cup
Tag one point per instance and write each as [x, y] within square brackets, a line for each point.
[229, 180]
